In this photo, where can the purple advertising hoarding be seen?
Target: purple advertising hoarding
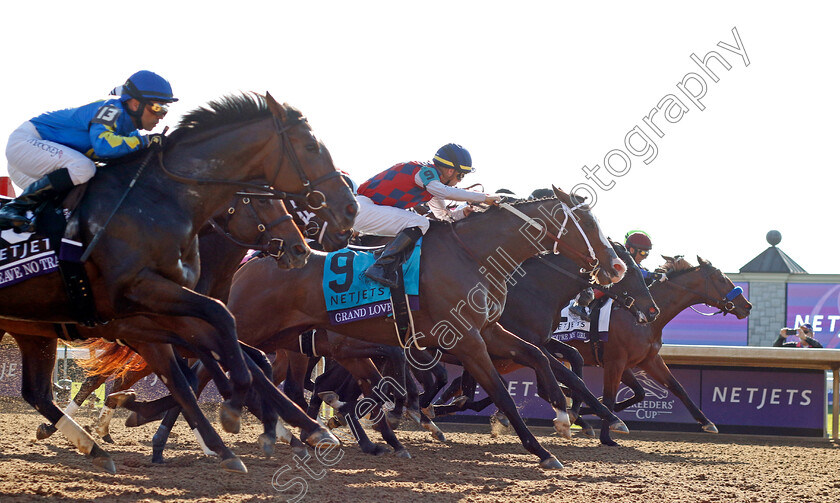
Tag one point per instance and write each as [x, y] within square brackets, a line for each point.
[783, 401]
[690, 327]
[819, 305]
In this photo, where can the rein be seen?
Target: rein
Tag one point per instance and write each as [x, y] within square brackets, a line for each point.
[314, 199]
[275, 247]
[725, 304]
[625, 300]
[558, 244]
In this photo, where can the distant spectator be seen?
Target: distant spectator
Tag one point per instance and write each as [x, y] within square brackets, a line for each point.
[805, 334]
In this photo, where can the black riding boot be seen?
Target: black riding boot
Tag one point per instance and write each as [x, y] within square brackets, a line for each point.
[13, 214]
[584, 298]
[384, 270]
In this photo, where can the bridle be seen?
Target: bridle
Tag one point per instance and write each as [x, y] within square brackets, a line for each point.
[559, 245]
[725, 304]
[313, 199]
[624, 299]
[274, 247]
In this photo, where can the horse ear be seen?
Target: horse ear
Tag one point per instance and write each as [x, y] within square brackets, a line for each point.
[668, 259]
[702, 261]
[562, 196]
[276, 108]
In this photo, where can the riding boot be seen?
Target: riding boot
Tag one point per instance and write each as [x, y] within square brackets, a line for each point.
[13, 214]
[384, 270]
[584, 298]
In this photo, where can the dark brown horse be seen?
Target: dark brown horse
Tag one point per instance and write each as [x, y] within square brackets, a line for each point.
[532, 312]
[146, 261]
[260, 224]
[462, 283]
[631, 345]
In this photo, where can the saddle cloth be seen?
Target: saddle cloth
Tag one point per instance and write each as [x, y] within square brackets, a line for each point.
[573, 328]
[351, 296]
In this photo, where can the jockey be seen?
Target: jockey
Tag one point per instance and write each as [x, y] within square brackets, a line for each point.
[384, 199]
[638, 244]
[54, 151]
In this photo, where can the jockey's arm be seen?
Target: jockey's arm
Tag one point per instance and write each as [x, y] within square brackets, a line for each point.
[442, 192]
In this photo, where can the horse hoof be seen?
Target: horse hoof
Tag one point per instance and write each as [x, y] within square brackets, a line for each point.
[45, 431]
[439, 436]
[618, 426]
[563, 428]
[105, 463]
[107, 438]
[380, 450]
[157, 458]
[403, 453]
[551, 464]
[123, 398]
[321, 436]
[234, 465]
[229, 417]
[572, 417]
[331, 399]
[133, 420]
[429, 411]
[710, 428]
[609, 443]
[267, 444]
[588, 431]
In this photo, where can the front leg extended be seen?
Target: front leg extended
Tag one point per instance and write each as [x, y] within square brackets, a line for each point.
[172, 307]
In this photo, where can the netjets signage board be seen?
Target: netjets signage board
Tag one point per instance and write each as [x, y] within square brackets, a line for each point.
[764, 401]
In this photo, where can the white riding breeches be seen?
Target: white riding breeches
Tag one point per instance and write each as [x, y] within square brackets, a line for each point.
[31, 158]
[385, 220]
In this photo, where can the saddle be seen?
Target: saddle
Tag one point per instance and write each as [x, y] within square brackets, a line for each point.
[57, 222]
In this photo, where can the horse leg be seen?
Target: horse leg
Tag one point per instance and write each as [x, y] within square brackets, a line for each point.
[38, 355]
[472, 352]
[578, 387]
[295, 377]
[371, 383]
[177, 309]
[571, 355]
[504, 344]
[612, 375]
[631, 382]
[169, 367]
[343, 400]
[658, 370]
[45, 430]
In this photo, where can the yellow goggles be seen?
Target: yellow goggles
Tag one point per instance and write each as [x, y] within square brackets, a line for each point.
[159, 109]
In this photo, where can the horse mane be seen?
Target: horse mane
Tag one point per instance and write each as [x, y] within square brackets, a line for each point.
[676, 264]
[478, 210]
[113, 359]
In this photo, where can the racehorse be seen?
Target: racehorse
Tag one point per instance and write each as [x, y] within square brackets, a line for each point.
[146, 260]
[631, 345]
[532, 312]
[259, 224]
[462, 290]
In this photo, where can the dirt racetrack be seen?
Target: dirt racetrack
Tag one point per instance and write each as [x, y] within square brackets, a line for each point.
[648, 467]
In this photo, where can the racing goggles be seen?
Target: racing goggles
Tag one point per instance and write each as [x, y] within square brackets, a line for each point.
[159, 109]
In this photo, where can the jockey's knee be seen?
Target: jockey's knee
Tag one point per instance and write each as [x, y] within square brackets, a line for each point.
[81, 172]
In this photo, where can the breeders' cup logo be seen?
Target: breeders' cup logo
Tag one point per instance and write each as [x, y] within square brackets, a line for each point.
[656, 403]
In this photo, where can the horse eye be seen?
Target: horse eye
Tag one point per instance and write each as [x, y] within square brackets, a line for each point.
[313, 147]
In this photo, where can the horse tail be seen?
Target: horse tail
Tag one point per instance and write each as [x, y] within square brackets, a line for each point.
[109, 358]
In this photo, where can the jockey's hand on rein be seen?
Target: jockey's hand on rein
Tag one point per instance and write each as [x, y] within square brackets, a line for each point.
[156, 140]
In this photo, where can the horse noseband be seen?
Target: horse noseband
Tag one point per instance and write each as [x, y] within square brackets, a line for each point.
[275, 248]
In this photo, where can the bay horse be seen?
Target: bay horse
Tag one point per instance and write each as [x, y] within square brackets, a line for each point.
[259, 224]
[532, 311]
[631, 345]
[146, 261]
[464, 266]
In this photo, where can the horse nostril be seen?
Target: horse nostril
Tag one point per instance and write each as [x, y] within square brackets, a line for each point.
[352, 209]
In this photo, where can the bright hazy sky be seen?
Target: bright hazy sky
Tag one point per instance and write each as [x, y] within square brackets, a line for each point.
[535, 90]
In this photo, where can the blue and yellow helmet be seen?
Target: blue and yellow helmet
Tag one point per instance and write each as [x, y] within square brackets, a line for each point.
[147, 86]
[455, 156]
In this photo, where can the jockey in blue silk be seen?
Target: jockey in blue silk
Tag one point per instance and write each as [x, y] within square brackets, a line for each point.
[54, 151]
[385, 199]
